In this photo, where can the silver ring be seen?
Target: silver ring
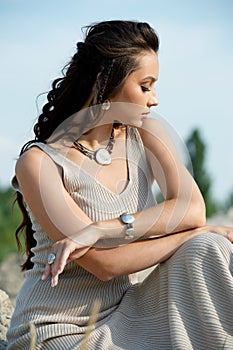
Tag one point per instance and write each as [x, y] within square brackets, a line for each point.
[51, 258]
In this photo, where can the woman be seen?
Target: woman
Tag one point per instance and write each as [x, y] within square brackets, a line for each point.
[92, 220]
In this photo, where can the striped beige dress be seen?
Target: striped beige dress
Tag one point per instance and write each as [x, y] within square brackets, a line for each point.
[184, 303]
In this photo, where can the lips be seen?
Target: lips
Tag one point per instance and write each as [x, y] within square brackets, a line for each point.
[145, 115]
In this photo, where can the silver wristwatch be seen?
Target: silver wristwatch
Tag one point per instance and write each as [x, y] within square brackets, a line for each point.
[128, 219]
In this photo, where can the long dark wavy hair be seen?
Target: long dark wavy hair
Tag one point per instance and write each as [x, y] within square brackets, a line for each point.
[99, 67]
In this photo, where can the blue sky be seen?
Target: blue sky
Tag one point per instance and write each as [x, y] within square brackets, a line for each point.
[196, 68]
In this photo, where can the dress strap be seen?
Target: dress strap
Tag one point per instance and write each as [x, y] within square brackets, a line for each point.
[58, 158]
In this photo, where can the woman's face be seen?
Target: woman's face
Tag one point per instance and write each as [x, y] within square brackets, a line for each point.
[138, 88]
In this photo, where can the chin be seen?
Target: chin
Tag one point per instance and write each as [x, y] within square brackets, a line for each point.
[137, 123]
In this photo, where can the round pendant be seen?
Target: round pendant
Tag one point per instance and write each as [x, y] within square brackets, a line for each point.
[103, 157]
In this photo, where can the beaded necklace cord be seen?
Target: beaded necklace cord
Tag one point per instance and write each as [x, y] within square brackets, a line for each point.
[101, 156]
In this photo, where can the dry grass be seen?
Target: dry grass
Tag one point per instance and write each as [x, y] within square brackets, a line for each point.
[32, 336]
[90, 326]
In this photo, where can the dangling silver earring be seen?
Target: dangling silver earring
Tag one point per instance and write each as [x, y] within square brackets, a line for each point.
[106, 105]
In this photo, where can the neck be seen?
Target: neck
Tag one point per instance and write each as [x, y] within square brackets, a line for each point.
[96, 137]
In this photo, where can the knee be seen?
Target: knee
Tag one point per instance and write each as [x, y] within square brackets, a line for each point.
[209, 244]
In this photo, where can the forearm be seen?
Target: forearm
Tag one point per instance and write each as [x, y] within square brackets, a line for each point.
[125, 259]
[133, 257]
[171, 216]
[168, 217]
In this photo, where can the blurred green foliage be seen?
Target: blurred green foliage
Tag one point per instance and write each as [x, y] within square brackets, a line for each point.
[197, 152]
[10, 218]
[229, 202]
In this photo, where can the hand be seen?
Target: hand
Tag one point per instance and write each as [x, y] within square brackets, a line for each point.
[225, 231]
[69, 249]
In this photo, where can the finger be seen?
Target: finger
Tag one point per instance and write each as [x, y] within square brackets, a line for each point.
[54, 280]
[230, 237]
[62, 258]
[79, 253]
[47, 272]
[55, 274]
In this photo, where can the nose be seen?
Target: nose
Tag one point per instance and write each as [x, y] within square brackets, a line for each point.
[153, 101]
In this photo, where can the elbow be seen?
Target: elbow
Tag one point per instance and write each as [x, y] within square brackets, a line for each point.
[100, 263]
[200, 220]
[198, 213]
[202, 217]
[104, 276]
[104, 272]
[108, 275]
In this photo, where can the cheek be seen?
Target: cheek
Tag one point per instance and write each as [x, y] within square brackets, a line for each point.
[133, 95]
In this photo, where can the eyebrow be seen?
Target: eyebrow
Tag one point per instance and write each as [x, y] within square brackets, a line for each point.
[149, 77]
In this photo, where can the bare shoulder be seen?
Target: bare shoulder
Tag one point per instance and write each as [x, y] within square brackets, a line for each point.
[30, 161]
[153, 130]
[32, 155]
[154, 134]
[159, 146]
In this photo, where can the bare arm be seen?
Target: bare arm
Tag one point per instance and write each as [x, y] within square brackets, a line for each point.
[183, 200]
[41, 183]
[136, 256]
[106, 264]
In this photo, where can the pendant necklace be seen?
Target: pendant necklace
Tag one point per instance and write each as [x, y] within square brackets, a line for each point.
[101, 156]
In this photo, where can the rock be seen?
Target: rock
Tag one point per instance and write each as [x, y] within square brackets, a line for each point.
[11, 277]
[6, 310]
[3, 344]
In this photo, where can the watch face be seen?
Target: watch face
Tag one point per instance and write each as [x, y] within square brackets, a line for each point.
[127, 218]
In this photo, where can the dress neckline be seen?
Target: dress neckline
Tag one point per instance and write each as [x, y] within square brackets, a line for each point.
[129, 172]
